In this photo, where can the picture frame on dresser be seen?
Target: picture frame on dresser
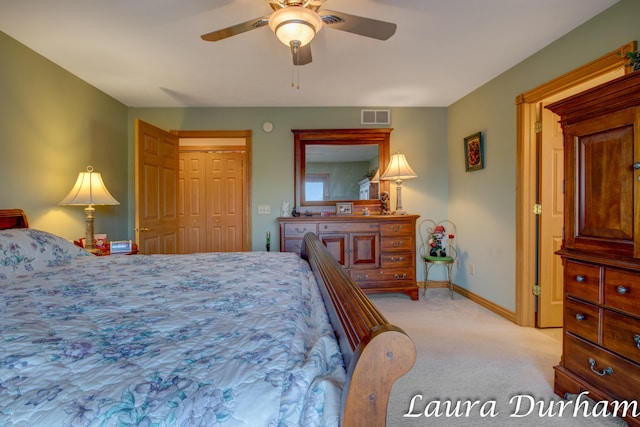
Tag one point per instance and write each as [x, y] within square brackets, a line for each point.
[344, 208]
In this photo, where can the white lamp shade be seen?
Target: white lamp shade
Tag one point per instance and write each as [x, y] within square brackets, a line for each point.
[89, 190]
[398, 169]
[295, 23]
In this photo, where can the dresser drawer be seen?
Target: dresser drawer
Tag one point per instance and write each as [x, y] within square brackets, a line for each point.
[581, 319]
[583, 281]
[394, 260]
[602, 369]
[387, 275]
[398, 228]
[398, 244]
[621, 334]
[293, 245]
[349, 227]
[299, 229]
[622, 290]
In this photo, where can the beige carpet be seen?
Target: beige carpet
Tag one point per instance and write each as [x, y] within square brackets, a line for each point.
[473, 358]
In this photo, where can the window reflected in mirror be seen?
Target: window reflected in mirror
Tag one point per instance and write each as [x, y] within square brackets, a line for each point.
[337, 172]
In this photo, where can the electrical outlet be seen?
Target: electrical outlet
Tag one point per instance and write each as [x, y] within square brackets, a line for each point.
[264, 209]
[472, 269]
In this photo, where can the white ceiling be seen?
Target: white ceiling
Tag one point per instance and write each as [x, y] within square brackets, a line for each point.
[148, 53]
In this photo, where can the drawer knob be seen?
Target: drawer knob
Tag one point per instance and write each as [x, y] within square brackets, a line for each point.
[580, 278]
[579, 316]
[606, 371]
[636, 165]
[621, 290]
[636, 338]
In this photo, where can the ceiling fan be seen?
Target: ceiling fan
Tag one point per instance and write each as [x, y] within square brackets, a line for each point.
[296, 22]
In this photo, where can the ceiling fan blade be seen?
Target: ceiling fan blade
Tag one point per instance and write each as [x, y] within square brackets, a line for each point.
[301, 55]
[367, 27]
[234, 30]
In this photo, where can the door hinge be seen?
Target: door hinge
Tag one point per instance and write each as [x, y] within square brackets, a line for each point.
[535, 290]
[537, 127]
[537, 209]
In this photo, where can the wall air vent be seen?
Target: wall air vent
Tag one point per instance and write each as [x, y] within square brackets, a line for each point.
[375, 117]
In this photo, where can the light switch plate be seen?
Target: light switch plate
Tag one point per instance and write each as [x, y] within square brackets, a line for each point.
[264, 209]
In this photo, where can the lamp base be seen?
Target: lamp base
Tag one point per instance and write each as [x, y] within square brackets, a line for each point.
[89, 215]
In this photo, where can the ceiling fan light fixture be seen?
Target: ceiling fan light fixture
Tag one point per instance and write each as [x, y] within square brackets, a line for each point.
[295, 24]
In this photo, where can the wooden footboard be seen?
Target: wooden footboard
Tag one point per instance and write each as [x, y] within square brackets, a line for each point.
[375, 352]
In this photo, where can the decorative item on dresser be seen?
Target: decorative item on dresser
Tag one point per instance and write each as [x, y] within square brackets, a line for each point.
[378, 251]
[601, 251]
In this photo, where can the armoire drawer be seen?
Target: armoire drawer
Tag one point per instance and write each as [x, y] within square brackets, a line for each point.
[606, 371]
[622, 290]
[621, 334]
[582, 319]
[583, 281]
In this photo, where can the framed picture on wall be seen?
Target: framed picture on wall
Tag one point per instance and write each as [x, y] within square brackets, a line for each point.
[473, 152]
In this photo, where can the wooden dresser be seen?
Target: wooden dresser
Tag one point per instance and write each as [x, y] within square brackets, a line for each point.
[601, 251]
[378, 251]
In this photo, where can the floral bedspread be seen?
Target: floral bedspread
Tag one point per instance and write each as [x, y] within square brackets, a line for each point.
[227, 339]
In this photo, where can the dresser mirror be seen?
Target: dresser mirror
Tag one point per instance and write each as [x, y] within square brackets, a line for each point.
[340, 166]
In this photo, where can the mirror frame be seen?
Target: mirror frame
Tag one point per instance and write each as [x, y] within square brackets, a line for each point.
[304, 137]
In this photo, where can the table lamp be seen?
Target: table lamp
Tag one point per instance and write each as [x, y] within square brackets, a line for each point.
[398, 170]
[89, 190]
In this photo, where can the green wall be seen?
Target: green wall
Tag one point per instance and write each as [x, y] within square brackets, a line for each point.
[53, 126]
[420, 133]
[483, 203]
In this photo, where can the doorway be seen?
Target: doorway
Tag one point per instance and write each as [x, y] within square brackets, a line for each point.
[214, 191]
[221, 198]
[528, 104]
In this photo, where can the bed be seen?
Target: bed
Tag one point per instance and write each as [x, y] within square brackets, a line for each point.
[250, 338]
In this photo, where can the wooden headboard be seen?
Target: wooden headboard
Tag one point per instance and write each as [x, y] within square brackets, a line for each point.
[375, 352]
[13, 218]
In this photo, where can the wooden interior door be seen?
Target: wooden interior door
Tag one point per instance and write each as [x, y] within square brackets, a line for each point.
[192, 225]
[156, 178]
[225, 201]
[551, 220]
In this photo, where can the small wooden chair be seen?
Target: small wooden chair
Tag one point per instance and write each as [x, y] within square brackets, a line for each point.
[438, 247]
